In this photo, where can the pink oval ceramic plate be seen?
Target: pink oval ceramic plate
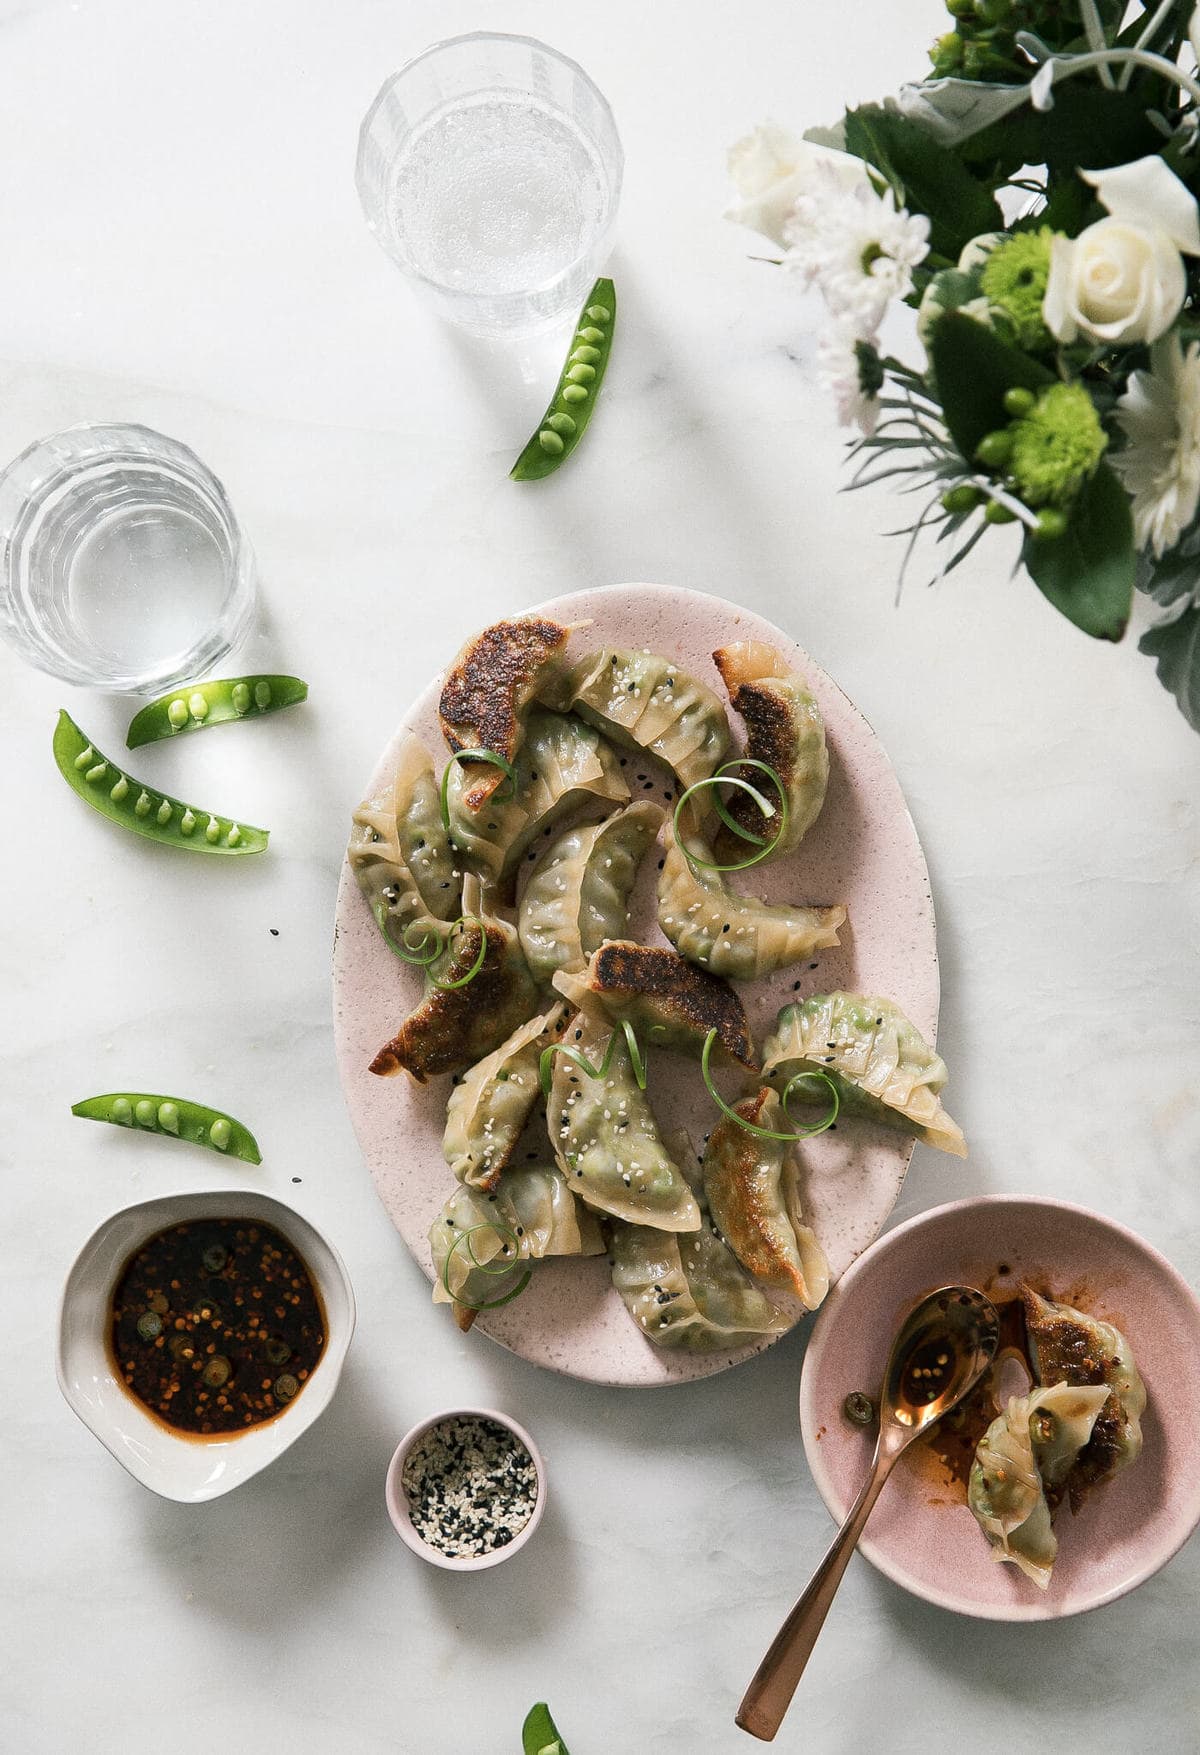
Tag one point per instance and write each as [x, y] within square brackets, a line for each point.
[863, 851]
[921, 1533]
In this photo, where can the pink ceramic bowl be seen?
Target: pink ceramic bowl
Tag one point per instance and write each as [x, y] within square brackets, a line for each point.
[921, 1534]
[396, 1498]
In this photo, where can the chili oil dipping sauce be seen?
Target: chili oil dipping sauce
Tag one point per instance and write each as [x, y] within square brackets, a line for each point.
[216, 1325]
[466, 1489]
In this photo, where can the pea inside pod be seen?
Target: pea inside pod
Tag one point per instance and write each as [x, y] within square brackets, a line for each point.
[565, 420]
[146, 811]
[219, 701]
[177, 1116]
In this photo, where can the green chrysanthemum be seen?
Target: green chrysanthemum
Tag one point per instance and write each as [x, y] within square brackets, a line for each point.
[1056, 446]
[1014, 281]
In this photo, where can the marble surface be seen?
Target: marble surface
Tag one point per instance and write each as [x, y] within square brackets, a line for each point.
[183, 247]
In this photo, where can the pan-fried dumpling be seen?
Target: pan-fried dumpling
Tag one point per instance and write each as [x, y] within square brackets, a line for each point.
[487, 1110]
[753, 1194]
[452, 1029]
[577, 894]
[667, 999]
[736, 936]
[785, 730]
[487, 689]
[534, 1205]
[1006, 1490]
[401, 854]
[607, 1141]
[1067, 1345]
[646, 702]
[687, 1290]
[1062, 1421]
[1005, 1495]
[562, 764]
[879, 1062]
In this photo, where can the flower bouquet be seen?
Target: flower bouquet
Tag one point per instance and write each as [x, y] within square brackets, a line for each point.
[1034, 201]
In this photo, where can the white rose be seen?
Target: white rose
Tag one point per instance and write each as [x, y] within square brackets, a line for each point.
[769, 169]
[1113, 283]
[1122, 279]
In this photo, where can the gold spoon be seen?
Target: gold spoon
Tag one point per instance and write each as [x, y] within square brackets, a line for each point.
[940, 1352]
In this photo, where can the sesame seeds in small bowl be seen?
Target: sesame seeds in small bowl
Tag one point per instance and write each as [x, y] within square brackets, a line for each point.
[466, 1489]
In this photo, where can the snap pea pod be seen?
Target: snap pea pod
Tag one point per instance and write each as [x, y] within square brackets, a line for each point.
[183, 1120]
[565, 421]
[215, 702]
[124, 800]
[539, 1733]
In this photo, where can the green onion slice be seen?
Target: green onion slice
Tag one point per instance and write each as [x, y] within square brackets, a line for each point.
[578, 1058]
[510, 776]
[816, 1079]
[480, 958]
[418, 953]
[724, 777]
[493, 1267]
[408, 949]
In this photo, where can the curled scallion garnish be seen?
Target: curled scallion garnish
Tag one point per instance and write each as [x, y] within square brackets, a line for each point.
[415, 952]
[510, 776]
[577, 1057]
[723, 777]
[411, 950]
[816, 1079]
[476, 966]
[496, 1268]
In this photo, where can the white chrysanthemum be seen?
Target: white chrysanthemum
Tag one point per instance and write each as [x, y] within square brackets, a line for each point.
[1160, 466]
[842, 355]
[856, 245]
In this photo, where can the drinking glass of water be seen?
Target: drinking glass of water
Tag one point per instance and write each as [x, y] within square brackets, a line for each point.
[122, 566]
[489, 169]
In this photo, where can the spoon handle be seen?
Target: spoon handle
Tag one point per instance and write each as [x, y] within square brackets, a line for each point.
[770, 1693]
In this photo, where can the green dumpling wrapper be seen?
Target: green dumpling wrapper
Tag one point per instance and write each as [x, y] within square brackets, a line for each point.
[879, 1062]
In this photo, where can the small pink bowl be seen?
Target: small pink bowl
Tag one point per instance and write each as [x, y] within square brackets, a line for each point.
[396, 1498]
[921, 1533]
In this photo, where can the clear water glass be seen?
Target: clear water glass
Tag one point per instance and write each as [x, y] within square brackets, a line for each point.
[489, 169]
[122, 565]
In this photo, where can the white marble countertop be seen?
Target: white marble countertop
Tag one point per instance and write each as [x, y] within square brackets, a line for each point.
[183, 247]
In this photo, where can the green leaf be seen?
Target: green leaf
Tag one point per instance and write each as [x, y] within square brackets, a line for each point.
[973, 368]
[539, 1734]
[1175, 649]
[927, 177]
[1070, 204]
[1173, 577]
[1087, 573]
[834, 137]
[1088, 125]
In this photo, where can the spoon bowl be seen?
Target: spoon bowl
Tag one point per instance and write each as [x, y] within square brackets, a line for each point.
[941, 1350]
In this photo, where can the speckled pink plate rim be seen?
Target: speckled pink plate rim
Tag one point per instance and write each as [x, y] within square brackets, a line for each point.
[863, 850]
[1128, 1530]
